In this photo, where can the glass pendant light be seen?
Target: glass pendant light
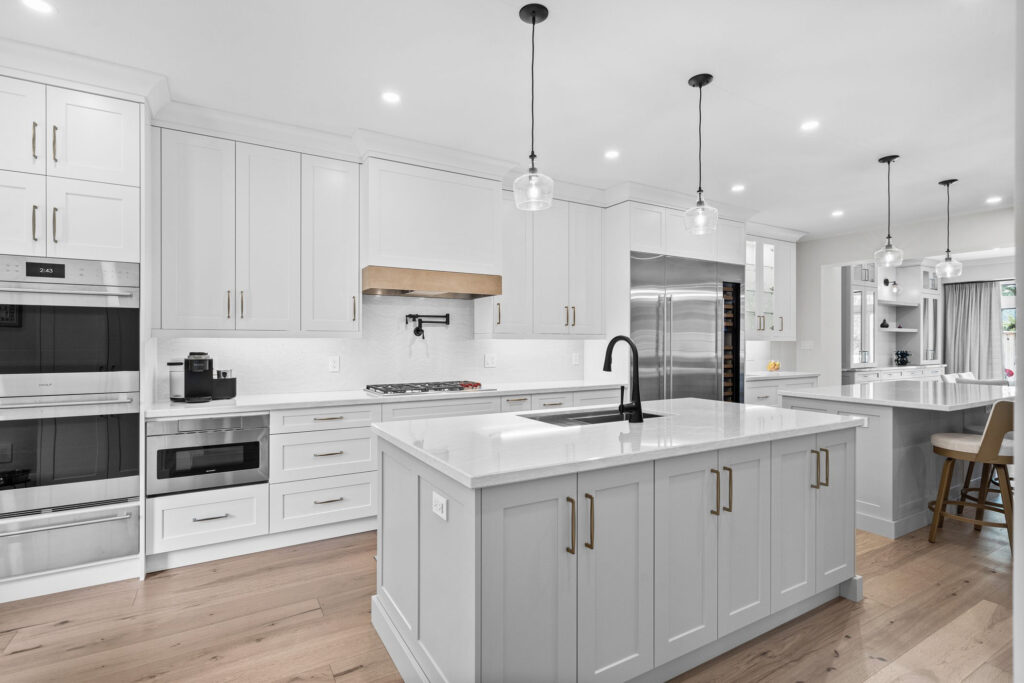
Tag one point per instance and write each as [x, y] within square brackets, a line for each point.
[700, 219]
[950, 267]
[533, 191]
[888, 256]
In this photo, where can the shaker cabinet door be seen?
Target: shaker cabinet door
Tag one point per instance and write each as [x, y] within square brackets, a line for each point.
[94, 221]
[91, 137]
[586, 270]
[22, 126]
[794, 477]
[513, 314]
[551, 270]
[22, 214]
[835, 545]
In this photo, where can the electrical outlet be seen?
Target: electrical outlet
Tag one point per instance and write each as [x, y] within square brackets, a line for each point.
[439, 504]
[333, 363]
[490, 360]
[575, 358]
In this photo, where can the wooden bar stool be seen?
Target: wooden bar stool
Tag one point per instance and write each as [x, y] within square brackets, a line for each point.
[983, 449]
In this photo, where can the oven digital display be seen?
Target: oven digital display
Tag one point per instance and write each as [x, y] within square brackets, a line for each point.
[44, 269]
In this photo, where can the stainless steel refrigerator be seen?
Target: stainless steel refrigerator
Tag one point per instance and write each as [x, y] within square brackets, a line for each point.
[686, 318]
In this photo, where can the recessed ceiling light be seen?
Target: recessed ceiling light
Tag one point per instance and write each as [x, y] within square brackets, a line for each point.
[391, 97]
[837, 213]
[611, 154]
[993, 200]
[40, 6]
[808, 126]
[739, 187]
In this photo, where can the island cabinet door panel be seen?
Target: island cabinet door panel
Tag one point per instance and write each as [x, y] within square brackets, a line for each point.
[744, 537]
[551, 270]
[794, 477]
[835, 543]
[529, 548]
[616, 573]
[685, 555]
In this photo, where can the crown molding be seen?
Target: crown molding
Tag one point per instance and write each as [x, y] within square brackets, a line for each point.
[670, 199]
[774, 232]
[67, 70]
[405, 150]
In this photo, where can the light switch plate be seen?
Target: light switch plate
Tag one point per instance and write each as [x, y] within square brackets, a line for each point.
[439, 504]
[333, 363]
[490, 360]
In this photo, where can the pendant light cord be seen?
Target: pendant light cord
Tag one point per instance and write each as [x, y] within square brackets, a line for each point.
[700, 141]
[947, 221]
[888, 201]
[533, 57]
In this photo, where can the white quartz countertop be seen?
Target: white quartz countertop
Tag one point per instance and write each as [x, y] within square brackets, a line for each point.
[918, 395]
[262, 402]
[490, 450]
[759, 375]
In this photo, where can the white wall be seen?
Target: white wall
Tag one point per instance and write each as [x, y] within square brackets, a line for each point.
[387, 352]
[818, 338]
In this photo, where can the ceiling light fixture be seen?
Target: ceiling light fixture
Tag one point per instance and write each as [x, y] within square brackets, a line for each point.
[700, 219]
[611, 154]
[533, 191]
[993, 200]
[837, 213]
[739, 187]
[950, 267]
[888, 256]
[40, 6]
[391, 97]
[808, 126]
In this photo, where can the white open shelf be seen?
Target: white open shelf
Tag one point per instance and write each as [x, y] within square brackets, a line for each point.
[907, 304]
[897, 329]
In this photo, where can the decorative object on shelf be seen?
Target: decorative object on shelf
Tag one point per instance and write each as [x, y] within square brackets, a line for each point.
[422, 319]
[949, 267]
[885, 323]
[899, 326]
[888, 256]
[700, 219]
[533, 191]
[774, 366]
[894, 287]
[903, 357]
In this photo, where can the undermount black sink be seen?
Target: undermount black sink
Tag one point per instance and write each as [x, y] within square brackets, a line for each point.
[576, 418]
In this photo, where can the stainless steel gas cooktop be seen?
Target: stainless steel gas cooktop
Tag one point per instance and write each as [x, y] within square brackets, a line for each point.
[424, 387]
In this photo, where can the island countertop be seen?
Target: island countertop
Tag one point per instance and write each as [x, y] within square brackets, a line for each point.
[917, 395]
[488, 450]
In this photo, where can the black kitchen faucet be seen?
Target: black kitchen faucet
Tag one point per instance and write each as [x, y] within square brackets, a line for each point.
[633, 409]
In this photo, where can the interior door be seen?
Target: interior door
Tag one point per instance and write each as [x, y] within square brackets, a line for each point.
[586, 270]
[551, 270]
[91, 137]
[693, 295]
[647, 308]
[22, 213]
[93, 221]
[22, 125]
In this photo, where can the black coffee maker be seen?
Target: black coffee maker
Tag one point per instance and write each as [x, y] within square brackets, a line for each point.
[198, 377]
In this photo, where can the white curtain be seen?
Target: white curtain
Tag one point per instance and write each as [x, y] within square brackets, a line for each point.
[973, 329]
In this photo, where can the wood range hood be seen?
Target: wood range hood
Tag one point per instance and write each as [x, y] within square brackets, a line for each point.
[434, 284]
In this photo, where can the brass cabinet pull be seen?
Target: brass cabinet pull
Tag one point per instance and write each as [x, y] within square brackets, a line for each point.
[817, 470]
[324, 455]
[499, 313]
[229, 304]
[556, 403]
[210, 519]
[515, 400]
[761, 397]
[326, 419]
[718, 492]
[35, 125]
[574, 316]
[782, 323]
[590, 544]
[567, 316]
[55, 225]
[329, 500]
[827, 459]
[728, 508]
[353, 309]
[242, 307]
[35, 210]
[55, 144]
[572, 525]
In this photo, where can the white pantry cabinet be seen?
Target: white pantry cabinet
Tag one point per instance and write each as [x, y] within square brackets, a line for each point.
[660, 230]
[267, 234]
[770, 289]
[331, 293]
[426, 218]
[22, 126]
[92, 137]
[95, 221]
[22, 214]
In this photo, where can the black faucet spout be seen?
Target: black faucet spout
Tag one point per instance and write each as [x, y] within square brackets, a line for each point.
[633, 410]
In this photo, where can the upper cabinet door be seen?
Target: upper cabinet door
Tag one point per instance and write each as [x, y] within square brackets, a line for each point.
[646, 228]
[197, 233]
[436, 220]
[94, 221]
[90, 137]
[551, 313]
[785, 290]
[330, 245]
[267, 234]
[729, 242]
[513, 314]
[586, 270]
[22, 213]
[22, 126]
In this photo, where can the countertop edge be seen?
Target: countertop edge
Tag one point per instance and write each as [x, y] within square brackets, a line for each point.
[885, 403]
[767, 376]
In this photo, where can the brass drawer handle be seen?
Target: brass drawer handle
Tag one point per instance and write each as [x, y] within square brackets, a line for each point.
[499, 313]
[817, 470]
[327, 419]
[782, 323]
[718, 492]
[229, 304]
[572, 525]
[35, 125]
[55, 225]
[567, 316]
[827, 463]
[590, 544]
[210, 519]
[574, 316]
[35, 210]
[557, 403]
[55, 144]
[324, 455]
[242, 307]
[728, 508]
[763, 396]
[515, 400]
[329, 500]
[353, 309]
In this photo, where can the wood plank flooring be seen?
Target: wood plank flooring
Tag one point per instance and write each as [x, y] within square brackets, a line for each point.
[931, 612]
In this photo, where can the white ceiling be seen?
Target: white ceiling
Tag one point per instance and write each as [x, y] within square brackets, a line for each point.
[931, 80]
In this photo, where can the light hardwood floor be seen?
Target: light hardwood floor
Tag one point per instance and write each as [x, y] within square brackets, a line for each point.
[931, 612]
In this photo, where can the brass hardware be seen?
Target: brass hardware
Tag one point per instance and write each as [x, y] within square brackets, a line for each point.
[515, 400]
[567, 316]
[229, 304]
[35, 210]
[574, 316]
[827, 462]
[763, 396]
[55, 144]
[324, 455]
[728, 508]
[55, 225]
[499, 312]
[590, 544]
[330, 500]
[572, 526]
[817, 470]
[556, 403]
[210, 519]
[353, 309]
[35, 125]
[782, 323]
[718, 492]
[243, 305]
[326, 419]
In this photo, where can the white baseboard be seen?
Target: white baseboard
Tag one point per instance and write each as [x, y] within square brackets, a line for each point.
[393, 643]
[852, 589]
[61, 580]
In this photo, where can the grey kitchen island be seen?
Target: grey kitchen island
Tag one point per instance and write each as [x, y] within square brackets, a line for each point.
[510, 549]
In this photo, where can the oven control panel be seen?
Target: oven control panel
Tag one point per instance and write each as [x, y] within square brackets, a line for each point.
[69, 271]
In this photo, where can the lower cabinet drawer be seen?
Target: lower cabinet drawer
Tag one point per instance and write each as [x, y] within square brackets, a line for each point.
[758, 394]
[551, 401]
[418, 410]
[890, 374]
[934, 372]
[187, 520]
[911, 373]
[304, 455]
[601, 397]
[862, 377]
[299, 504]
[511, 404]
[309, 419]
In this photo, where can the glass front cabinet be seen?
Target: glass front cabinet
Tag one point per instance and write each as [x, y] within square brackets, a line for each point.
[931, 337]
[770, 289]
[860, 298]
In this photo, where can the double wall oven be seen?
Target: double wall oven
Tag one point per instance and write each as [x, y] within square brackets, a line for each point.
[69, 411]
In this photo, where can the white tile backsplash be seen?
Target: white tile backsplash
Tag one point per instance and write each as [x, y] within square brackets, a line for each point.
[758, 353]
[387, 352]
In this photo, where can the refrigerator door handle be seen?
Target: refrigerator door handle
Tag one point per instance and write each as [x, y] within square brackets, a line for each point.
[669, 347]
[720, 340]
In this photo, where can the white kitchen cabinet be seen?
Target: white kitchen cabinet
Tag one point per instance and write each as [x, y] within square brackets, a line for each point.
[615, 594]
[686, 557]
[419, 410]
[729, 242]
[197, 232]
[510, 314]
[267, 235]
[551, 401]
[22, 126]
[22, 212]
[325, 500]
[94, 221]
[188, 520]
[323, 453]
[661, 230]
[529, 545]
[595, 397]
[91, 137]
[835, 544]
[770, 289]
[323, 418]
[765, 390]
[515, 404]
[420, 217]
[586, 271]
[744, 537]
[331, 293]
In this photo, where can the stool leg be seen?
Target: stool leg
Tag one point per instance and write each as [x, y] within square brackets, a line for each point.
[967, 484]
[986, 478]
[940, 499]
[1004, 490]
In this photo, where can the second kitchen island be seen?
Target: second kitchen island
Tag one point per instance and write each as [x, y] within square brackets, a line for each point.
[514, 549]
